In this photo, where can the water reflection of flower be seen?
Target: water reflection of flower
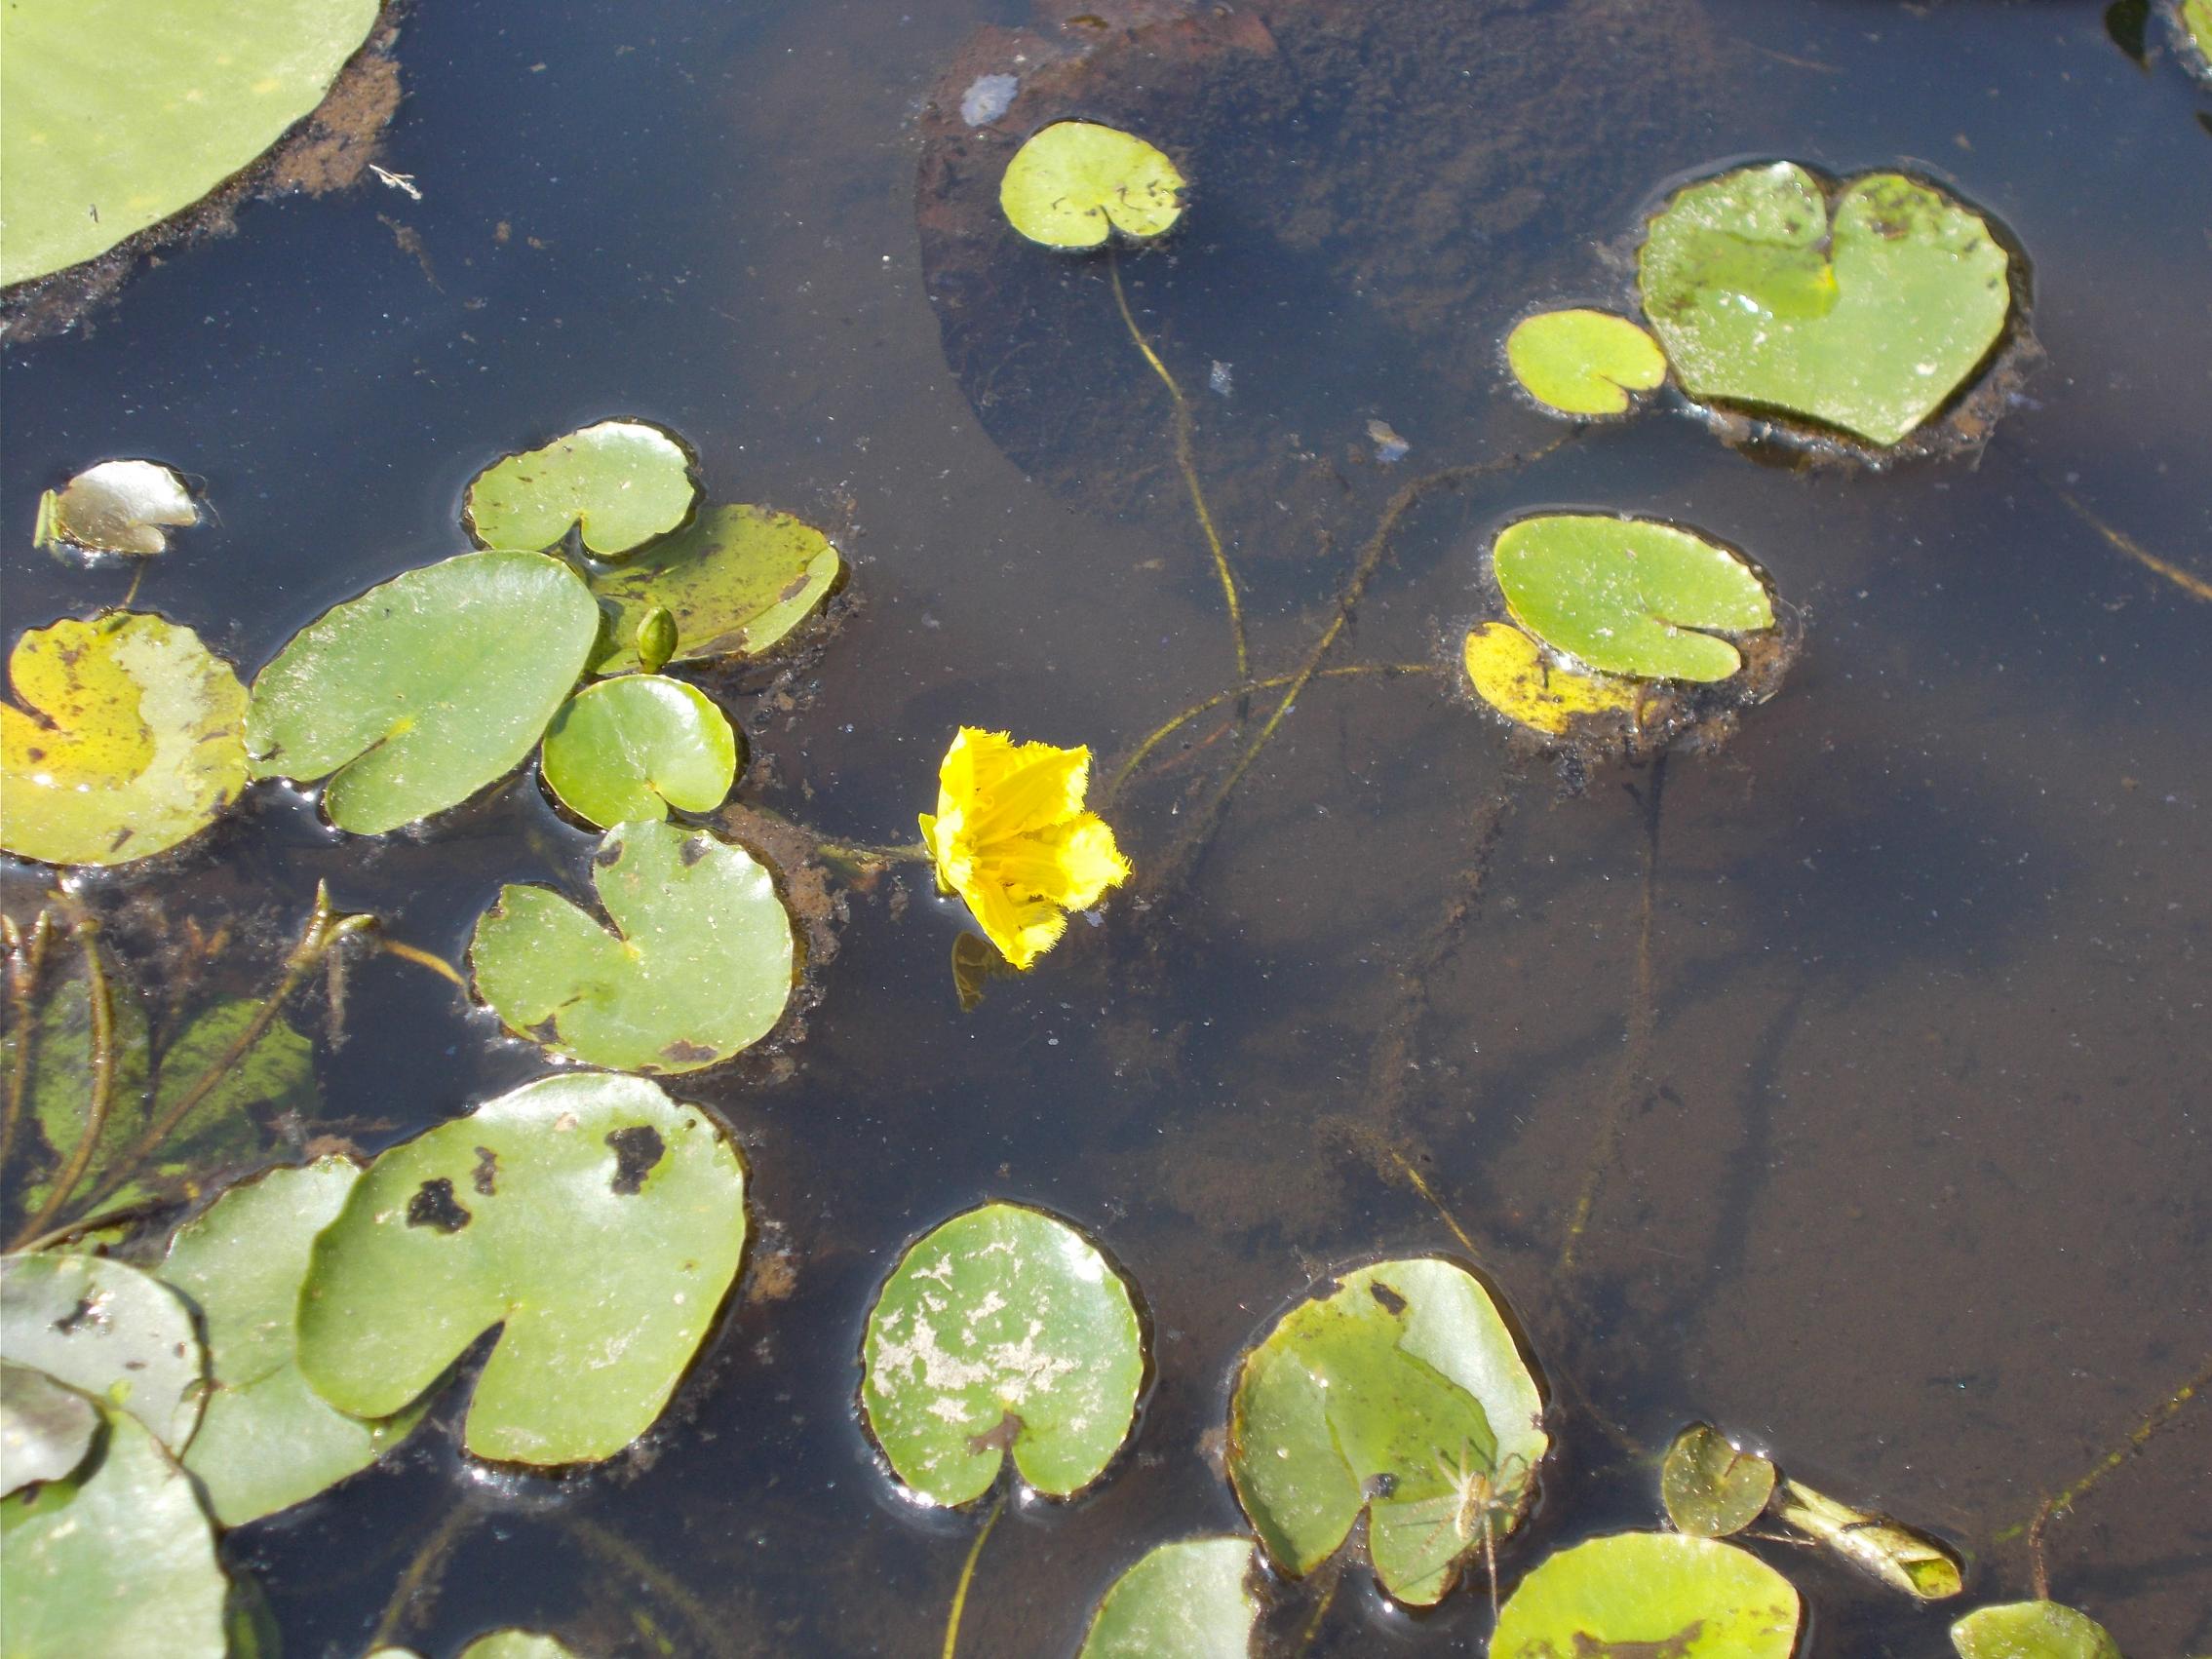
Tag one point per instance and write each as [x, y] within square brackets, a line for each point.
[1011, 837]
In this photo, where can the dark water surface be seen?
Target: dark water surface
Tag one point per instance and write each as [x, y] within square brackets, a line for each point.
[1923, 1198]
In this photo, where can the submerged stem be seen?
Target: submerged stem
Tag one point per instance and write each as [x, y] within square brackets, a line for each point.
[102, 1011]
[421, 958]
[27, 960]
[1187, 465]
[714, 1635]
[1643, 1024]
[420, 1577]
[967, 1577]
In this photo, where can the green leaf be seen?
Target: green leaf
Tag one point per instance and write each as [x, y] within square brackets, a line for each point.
[596, 1220]
[1626, 595]
[116, 1558]
[1075, 182]
[1902, 1557]
[735, 584]
[2032, 1629]
[1869, 325]
[699, 966]
[1651, 1592]
[633, 747]
[2195, 16]
[516, 1644]
[425, 689]
[656, 640]
[1003, 1328]
[267, 1440]
[117, 507]
[1401, 1392]
[1710, 1487]
[1189, 1599]
[1583, 362]
[109, 1331]
[624, 481]
[126, 744]
[114, 116]
[45, 1428]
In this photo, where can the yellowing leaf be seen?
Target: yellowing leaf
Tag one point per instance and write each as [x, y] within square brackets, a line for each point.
[1583, 362]
[127, 739]
[1075, 182]
[1513, 674]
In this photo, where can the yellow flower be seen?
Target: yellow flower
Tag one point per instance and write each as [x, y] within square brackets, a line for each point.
[1011, 837]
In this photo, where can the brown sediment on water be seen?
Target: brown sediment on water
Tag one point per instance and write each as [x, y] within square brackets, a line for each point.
[328, 150]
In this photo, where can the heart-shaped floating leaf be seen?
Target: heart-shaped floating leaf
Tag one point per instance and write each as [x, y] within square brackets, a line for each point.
[594, 1218]
[624, 481]
[45, 1427]
[1401, 1392]
[633, 747]
[425, 689]
[1868, 324]
[1709, 1487]
[1189, 1599]
[117, 507]
[113, 117]
[128, 741]
[110, 1330]
[1513, 674]
[699, 968]
[115, 1558]
[1075, 182]
[734, 584]
[1583, 362]
[1627, 596]
[1651, 1592]
[1003, 1329]
[267, 1440]
[2032, 1629]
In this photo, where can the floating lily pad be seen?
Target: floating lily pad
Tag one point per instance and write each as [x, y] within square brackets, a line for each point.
[1076, 183]
[126, 740]
[623, 481]
[45, 1428]
[517, 1645]
[2032, 1629]
[425, 689]
[595, 1219]
[1628, 596]
[1189, 1599]
[699, 966]
[267, 1440]
[1513, 674]
[1710, 1487]
[115, 115]
[1583, 362]
[1868, 324]
[109, 1331]
[734, 584]
[115, 1558]
[1650, 1593]
[633, 747]
[1401, 1392]
[1902, 1557]
[1003, 1329]
[2193, 24]
[117, 507]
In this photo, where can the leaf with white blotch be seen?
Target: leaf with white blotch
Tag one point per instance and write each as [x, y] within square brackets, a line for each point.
[117, 507]
[1001, 1331]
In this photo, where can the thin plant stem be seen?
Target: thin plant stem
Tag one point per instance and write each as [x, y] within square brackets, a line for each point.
[713, 1634]
[138, 575]
[2059, 1503]
[1642, 1025]
[1335, 1570]
[325, 929]
[1167, 729]
[1364, 567]
[102, 1011]
[420, 1581]
[967, 1577]
[1186, 462]
[863, 852]
[26, 961]
[2188, 581]
[422, 959]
